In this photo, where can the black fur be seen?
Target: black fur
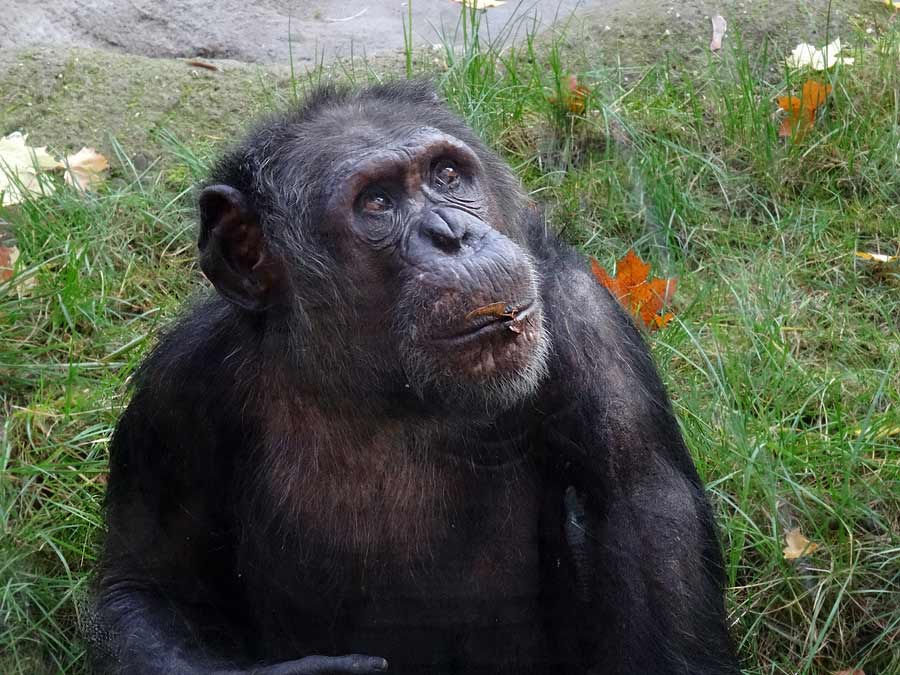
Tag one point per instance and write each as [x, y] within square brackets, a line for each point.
[314, 468]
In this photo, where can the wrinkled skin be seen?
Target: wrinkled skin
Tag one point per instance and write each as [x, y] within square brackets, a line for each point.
[408, 432]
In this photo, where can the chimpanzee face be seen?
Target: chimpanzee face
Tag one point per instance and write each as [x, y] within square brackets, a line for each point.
[423, 250]
[419, 223]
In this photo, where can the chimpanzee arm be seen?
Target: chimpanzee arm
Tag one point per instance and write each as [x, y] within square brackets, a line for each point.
[166, 597]
[646, 563]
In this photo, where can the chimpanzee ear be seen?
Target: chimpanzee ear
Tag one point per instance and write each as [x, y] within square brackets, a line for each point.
[233, 253]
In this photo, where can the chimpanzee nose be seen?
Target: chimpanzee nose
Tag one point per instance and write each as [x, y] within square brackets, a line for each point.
[447, 229]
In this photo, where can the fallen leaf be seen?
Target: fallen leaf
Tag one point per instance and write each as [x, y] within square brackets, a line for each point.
[797, 545]
[857, 671]
[575, 96]
[8, 257]
[197, 63]
[643, 297]
[806, 55]
[801, 112]
[19, 167]
[83, 169]
[885, 268]
[878, 257]
[481, 4]
[886, 432]
[719, 26]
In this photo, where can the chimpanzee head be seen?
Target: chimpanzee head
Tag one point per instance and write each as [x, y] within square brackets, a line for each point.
[379, 233]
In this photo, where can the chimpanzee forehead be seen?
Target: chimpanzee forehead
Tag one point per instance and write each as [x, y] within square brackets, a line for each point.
[409, 142]
[368, 138]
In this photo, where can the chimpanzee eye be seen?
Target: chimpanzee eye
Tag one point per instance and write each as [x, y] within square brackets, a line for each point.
[446, 175]
[376, 200]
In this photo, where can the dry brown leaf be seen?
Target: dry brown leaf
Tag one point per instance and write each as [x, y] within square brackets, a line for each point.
[480, 4]
[83, 169]
[197, 63]
[797, 545]
[857, 671]
[20, 165]
[8, 257]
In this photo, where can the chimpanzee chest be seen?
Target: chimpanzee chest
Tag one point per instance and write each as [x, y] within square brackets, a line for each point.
[434, 567]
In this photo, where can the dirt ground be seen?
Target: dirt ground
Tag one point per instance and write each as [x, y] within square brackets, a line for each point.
[271, 31]
[82, 72]
[266, 31]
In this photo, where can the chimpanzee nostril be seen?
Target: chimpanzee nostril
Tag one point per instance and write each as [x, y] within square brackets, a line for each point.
[447, 234]
[448, 231]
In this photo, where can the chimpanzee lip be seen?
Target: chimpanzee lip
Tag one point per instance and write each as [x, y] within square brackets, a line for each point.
[482, 326]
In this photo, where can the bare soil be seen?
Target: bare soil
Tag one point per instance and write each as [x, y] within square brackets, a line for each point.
[82, 72]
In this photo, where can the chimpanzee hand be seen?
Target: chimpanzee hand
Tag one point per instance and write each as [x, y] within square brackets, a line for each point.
[350, 664]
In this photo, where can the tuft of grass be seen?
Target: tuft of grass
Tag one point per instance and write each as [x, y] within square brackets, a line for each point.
[99, 274]
[782, 361]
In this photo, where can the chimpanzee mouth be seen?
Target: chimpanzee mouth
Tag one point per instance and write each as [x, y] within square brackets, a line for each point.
[494, 319]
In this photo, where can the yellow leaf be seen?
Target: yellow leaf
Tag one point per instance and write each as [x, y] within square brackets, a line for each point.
[797, 545]
[84, 167]
[19, 167]
[884, 268]
[886, 432]
[877, 257]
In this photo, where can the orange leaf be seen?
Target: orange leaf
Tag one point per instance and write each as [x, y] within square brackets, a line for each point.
[814, 95]
[662, 321]
[792, 106]
[801, 112]
[575, 97]
[643, 297]
[631, 271]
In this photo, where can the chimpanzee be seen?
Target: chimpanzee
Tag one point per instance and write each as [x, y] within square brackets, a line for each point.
[410, 431]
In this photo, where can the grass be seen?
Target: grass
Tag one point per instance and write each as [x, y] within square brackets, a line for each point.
[782, 361]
